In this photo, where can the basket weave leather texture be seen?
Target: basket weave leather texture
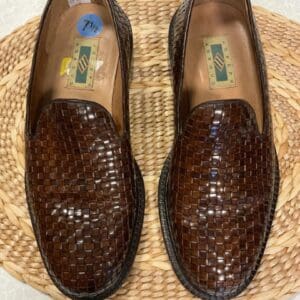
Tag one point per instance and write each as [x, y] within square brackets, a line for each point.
[152, 135]
[220, 196]
[177, 43]
[81, 193]
[82, 186]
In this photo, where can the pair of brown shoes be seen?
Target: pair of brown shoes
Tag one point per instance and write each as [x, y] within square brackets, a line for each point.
[85, 192]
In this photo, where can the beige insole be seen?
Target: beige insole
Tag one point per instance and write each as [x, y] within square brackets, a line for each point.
[104, 84]
[218, 22]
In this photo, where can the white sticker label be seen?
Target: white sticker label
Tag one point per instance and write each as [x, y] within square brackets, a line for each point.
[99, 64]
[76, 2]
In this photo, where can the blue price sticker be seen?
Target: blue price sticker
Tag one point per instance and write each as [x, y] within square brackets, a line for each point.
[90, 25]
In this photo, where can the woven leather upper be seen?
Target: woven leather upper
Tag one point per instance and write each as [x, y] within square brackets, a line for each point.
[220, 195]
[81, 193]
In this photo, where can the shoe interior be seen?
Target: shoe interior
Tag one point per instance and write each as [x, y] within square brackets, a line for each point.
[220, 59]
[78, 58]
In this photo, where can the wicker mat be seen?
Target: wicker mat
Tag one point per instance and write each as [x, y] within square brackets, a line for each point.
[152, 134]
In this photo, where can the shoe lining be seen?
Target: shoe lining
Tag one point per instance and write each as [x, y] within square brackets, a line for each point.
[220, 59]
[78, 58]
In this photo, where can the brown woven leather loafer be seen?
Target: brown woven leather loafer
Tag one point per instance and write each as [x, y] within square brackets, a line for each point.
[84, 191]
[219, 187]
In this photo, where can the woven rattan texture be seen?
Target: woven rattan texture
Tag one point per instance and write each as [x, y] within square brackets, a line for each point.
[151, 104]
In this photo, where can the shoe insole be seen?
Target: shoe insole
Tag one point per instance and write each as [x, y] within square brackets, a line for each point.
[82, 57]
[220, 60]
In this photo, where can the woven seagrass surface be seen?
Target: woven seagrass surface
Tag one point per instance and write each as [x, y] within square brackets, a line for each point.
[152, 134]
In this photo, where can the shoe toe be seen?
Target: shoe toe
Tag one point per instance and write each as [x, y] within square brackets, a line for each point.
[221, 205]
[82, 195]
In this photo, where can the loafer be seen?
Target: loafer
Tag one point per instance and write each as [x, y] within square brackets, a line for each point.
[219, 186]
[84, 190]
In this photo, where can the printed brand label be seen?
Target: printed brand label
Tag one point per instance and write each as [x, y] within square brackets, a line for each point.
[90, 25]
[219, 61]
[76, 2]
[83, 64]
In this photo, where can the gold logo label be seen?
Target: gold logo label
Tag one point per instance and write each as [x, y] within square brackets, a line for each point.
[219, 61]
[83, 66]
